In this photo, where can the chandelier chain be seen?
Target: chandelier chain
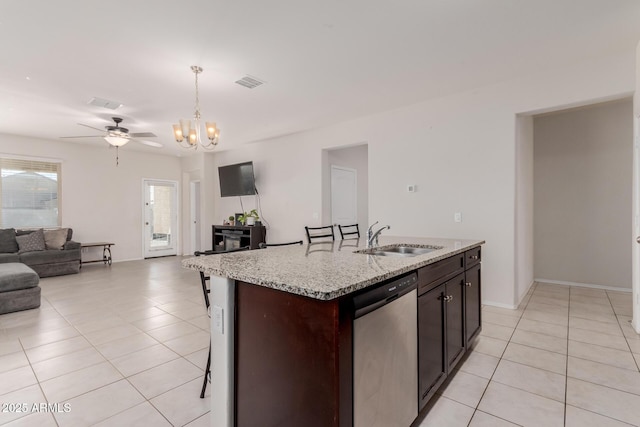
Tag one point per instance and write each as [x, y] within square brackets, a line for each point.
[197, 114]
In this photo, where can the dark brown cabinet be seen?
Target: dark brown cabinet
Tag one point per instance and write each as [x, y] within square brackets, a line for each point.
[448, 317]
[454, 320]
[225, 237]
[431, 359]
[472, 301]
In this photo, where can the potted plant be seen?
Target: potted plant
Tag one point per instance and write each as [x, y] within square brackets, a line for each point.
[249, 218]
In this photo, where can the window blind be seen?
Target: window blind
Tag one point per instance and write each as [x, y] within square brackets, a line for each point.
[30, 193]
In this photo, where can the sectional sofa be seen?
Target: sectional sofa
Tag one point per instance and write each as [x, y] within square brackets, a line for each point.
[47, 252]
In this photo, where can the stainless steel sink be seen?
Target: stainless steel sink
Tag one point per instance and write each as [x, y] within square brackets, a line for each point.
[400, 250]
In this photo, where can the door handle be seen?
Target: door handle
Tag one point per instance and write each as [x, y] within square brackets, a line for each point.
[638, 239]
[146, 223]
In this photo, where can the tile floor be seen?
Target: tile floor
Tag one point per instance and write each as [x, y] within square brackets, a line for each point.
[125, 346]
[567, 357]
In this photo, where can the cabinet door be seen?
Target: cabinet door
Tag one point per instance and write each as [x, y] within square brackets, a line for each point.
[454, 292]
[431, 362]
[472, 303]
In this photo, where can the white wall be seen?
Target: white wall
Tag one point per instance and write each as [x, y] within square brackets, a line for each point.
[583, 177]
[355, 158]
[459, 150]
[99, 200]
[524, 245]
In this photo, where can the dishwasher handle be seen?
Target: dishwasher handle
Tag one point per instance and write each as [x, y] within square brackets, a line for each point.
[383, 294]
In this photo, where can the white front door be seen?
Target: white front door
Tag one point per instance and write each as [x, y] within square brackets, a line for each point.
[344, 195]
[160, 218]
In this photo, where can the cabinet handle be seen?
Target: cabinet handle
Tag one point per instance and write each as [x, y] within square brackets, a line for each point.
[474, 257]
[467, 284]
[448, 298]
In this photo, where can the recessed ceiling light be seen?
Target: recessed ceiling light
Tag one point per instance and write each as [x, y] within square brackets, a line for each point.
[28, 78]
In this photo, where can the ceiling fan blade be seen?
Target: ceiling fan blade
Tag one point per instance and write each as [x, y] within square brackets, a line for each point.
[143, 135]
[91, 127]
[149, 143]
[84, 136]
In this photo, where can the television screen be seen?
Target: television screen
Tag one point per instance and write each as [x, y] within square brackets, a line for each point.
[237, 180]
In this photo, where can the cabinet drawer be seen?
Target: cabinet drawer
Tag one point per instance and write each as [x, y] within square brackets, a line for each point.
[472, 257]
[432, 275]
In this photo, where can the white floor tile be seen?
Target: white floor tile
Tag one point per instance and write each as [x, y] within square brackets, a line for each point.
[165, 377]
[142, 415]
[605, 401]
[183, 404]
[447, 413]
[100, 404]
[521, 407]
[65, 387]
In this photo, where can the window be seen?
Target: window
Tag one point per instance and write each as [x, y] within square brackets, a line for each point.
[30, 192]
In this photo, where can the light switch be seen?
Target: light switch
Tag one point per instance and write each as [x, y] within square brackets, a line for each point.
[218, 319]
[457, 217]
[412, 188]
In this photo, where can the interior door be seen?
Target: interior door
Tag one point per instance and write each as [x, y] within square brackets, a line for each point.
[195, 216]
[160, 218]
[636, 221]
[344, 195]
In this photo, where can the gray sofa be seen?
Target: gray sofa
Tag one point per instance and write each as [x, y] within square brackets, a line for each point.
[47, 262]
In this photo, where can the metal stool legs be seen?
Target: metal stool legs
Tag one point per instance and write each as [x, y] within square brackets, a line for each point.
[207, 374]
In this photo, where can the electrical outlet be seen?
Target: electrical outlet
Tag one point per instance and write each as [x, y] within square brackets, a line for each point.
[218, 320]
[412, 188]
[457, 217]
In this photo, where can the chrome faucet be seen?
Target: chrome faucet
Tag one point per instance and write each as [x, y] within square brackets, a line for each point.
[372, 238]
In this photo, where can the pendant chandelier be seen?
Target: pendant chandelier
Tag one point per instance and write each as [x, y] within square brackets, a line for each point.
[187, 134]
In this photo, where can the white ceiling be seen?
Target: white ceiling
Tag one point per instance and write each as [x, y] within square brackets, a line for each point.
[323, 61]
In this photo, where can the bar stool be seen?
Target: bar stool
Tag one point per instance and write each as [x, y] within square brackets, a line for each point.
[206, 290]
[353, 231]
[320, 232]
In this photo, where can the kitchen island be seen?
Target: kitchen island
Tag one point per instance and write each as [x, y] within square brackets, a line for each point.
[283, 325]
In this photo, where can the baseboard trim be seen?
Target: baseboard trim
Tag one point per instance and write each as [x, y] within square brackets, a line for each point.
[499, 305]
[525, 293]
[583, 285]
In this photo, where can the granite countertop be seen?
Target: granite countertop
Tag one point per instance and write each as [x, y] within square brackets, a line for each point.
[323, 270]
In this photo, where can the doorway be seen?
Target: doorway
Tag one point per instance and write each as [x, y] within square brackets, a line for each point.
[160, 218]
[345, 186]
[344, 195]
[582, 196]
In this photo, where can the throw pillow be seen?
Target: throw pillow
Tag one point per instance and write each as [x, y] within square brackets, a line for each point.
[8, 242]
[31, 242]
[55, 239]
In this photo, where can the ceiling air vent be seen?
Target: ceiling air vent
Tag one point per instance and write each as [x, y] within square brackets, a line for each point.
[104, 103]
[250, 82]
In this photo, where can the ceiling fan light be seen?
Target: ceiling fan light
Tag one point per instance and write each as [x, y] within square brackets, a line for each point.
[177, 133]
[116, 141]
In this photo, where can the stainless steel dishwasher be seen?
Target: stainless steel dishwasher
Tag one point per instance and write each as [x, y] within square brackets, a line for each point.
[385, 354]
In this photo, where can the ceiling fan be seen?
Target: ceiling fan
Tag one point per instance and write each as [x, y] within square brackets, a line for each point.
[118, 136]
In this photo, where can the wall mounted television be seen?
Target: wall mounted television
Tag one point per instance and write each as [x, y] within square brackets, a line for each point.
[237, 180]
